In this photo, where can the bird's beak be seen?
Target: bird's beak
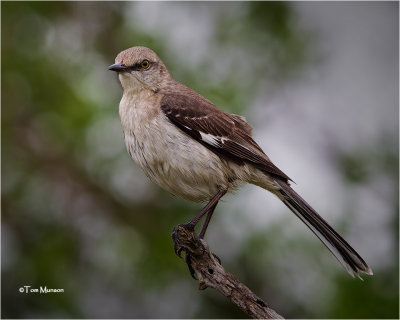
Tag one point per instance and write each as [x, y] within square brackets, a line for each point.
[118, 67]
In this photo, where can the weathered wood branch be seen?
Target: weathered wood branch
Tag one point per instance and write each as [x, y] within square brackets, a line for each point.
[210, 273]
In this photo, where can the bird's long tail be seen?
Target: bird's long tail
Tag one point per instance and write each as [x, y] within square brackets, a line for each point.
[346, 255]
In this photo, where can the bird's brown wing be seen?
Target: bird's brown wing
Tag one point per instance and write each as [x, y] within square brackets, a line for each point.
[227, 135]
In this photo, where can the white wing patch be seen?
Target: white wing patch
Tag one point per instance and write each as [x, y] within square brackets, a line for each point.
[210, 139]
[219, 141]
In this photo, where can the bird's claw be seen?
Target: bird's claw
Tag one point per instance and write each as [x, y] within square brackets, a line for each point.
[179, 252]
[179, 249]
[216, 257]
[188, 261]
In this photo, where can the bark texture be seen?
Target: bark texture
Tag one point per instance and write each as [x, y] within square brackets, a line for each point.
[210, 273]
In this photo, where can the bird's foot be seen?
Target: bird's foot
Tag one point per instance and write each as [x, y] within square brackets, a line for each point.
[178, 235]
[185, 239]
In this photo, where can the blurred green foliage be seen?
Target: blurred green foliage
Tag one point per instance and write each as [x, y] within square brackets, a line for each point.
[78, 215]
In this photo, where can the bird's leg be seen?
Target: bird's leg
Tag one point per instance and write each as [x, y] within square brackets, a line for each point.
[191, 225]
[207, 221]
[204, 228]
[209, 209]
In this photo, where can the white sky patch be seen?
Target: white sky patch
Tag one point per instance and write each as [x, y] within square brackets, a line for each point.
[176, 23]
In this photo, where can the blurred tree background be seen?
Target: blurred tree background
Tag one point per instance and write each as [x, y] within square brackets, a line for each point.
[319, 82]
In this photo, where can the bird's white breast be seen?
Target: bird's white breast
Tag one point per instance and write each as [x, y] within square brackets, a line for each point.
[169, 157]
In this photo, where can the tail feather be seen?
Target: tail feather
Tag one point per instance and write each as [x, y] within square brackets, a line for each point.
[346, 255]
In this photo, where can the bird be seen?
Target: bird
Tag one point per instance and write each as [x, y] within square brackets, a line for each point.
[196, 151]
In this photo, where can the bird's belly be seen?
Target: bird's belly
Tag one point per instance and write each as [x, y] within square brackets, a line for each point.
[177, 163]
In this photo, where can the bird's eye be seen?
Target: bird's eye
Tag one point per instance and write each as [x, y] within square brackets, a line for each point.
[145, 64]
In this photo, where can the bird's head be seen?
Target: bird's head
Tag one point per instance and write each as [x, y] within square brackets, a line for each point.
[140, 68]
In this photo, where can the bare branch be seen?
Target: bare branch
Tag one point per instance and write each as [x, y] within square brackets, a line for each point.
[210, 273]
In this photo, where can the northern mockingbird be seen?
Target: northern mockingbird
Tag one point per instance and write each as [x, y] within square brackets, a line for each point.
[192, 149]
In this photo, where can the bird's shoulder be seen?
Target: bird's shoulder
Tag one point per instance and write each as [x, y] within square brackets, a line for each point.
[191, 107]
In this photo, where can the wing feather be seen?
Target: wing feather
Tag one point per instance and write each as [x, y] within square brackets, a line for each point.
[225, 134]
